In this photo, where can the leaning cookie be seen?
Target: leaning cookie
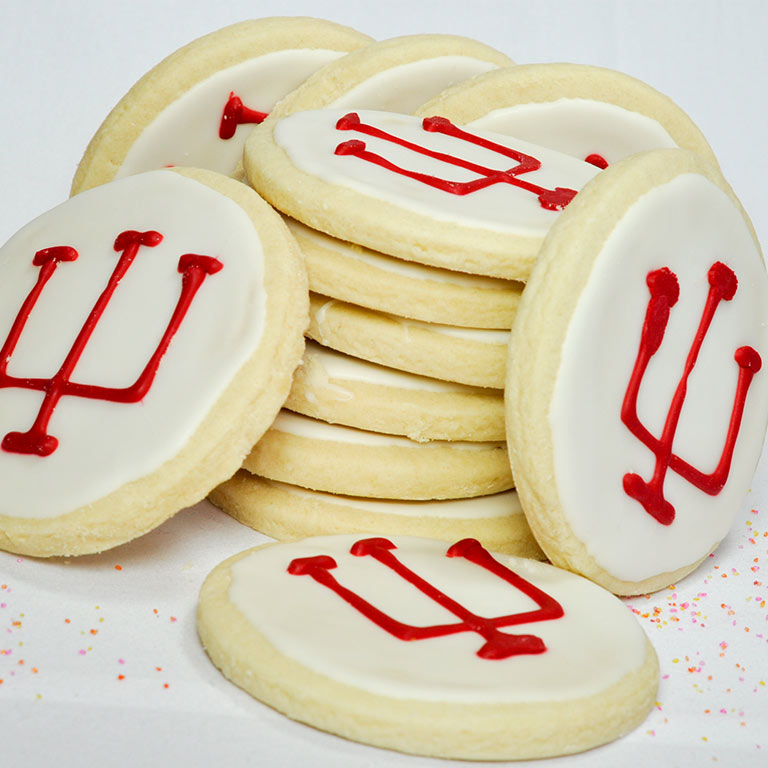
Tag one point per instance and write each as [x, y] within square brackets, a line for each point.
[473, 356]
[139, 365]
[636, 403]
[414, 645]
[369, 279]
[189, 108]
[423, 190]
[288, 512]
[396, 75]
[328, 457]
[596, 114]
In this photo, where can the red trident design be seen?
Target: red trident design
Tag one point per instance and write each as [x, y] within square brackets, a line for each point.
[36, 440]
[236, 113]
[551, 199]
[498, 645]
[665, 291]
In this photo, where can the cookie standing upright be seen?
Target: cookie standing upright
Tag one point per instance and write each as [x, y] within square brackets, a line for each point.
[149, 331]
[196, 107]
[430, 648]
[636, 394]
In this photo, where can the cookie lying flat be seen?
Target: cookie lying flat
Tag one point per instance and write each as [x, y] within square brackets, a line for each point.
[636, 403]
[421, 190]
[409, 644]
[369, 279]
[290, 512]
[188, 109]
[325, 457]
[397, 75]
[340, 389]
[592, 113]
[473, 356]
[149, 331]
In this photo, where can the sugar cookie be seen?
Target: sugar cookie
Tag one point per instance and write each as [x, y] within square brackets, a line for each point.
[410, 644]
[139, 367]
[189, 108]
[467, 355]
[327, 457]
[289, 512]
[636, 407]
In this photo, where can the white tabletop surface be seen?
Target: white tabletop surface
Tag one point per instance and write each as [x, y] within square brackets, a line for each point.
[99, 658]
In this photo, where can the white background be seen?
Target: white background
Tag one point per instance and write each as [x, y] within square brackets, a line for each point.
[63, 65]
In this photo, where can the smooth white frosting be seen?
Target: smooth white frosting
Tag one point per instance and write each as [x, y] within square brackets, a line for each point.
[404, 87]
[579, 127]
[310, 139]
[186, 132]
[103, 445]
[686, 225]
[590, 648]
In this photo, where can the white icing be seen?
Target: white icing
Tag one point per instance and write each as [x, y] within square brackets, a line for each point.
[409, 269]
[314, 429]
[579, 127]
[591, 647]
[404, 87]
[186, 132]
[104, 445]
[686, 225]
[310, 139]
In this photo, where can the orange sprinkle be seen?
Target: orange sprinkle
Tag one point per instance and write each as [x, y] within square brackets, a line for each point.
[118, 567]
[121, 677]
[165, 685]
[34, 670]
[159, 669]
[94, 631]
[67, 621]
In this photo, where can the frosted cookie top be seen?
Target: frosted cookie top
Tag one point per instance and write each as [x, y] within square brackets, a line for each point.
[196, 107]
[592, 113]
[652, 403]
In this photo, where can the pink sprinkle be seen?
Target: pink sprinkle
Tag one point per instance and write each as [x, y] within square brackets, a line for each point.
[82, 652]
[121, 661]
[723, 711]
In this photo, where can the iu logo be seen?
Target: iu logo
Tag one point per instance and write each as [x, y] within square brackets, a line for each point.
[550, 199]
[498, 645]
[236, 113]
[36, 440]
[665, 291]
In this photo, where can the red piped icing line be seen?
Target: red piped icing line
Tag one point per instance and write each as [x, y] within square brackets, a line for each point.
[596, 160]
[36, 440]
[664, 293]
[550, 199]
[498, 645]
[236, 113]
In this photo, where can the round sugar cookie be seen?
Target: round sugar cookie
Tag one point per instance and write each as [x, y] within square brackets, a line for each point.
[149, 329]
[596, 114]
[636, 399]
[423, 190]
[289, 512]
[370, 279]
[340, 389]
[411, 644]
[474, 356]
[396, 75]
[195, 108]
[328, 457]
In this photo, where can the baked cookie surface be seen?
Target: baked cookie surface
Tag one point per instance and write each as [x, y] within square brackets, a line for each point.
[413, 645]
[111, 305]
[635, 374]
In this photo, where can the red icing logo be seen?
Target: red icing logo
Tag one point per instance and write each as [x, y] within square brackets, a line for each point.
[236, 113]
[498, 645]
[551, 199]
[36, 440]
[665, 291]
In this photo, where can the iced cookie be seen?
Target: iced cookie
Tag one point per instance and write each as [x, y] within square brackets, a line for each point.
[396, 75]
[149, 331]
[415, 645]
[328, 457]
[290, 512]
[596, 114]
[423, 190]
[636, 403]
[473, 356]
[196, 107]
[370, 279]
[340, 389]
